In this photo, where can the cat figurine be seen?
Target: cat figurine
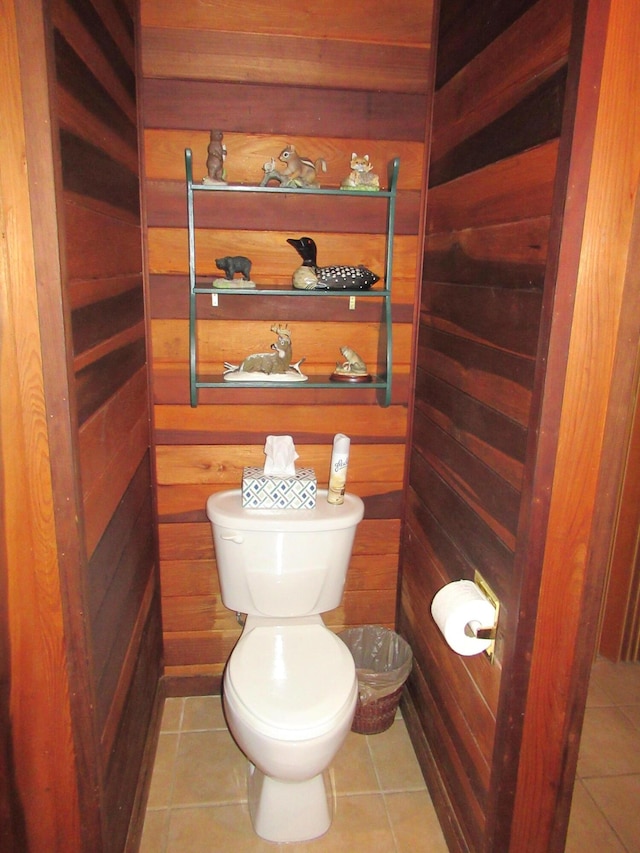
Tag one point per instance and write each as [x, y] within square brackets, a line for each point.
[361, 177]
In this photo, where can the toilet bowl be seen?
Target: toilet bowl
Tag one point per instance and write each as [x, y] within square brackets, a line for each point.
[288, 724]
[290, 687]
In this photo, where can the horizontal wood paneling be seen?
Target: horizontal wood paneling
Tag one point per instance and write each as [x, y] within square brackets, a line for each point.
[187, 503]
[224, 465]
[167, 208]
[274, 260]
[169, 297]
[96, 102]
[356, 88]
[497, 122]
[520, 187]
[164, 156]
[336, 21]
[318, 344]
[371, 114]
[492, 83]
[465, 30]
[247, 424]
[531, 122]
[128, 727]
[274, 59]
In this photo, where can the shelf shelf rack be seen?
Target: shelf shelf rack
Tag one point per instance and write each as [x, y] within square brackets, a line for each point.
[380, 383]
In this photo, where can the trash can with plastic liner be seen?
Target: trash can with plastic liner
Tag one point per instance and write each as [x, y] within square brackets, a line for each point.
[383, 662]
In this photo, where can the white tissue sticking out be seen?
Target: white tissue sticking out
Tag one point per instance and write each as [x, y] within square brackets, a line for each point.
[281, 456]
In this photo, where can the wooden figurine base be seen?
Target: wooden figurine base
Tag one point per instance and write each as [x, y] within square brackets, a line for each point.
[350, 377]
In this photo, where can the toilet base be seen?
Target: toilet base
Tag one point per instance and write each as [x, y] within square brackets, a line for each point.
[288, 811]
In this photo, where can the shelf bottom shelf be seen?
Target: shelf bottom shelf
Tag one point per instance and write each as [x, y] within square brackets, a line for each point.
[311, 382]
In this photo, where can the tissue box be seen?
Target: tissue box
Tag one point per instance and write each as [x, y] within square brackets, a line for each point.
[262, 492]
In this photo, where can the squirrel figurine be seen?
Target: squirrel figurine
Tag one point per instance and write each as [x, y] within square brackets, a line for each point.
[299, 170]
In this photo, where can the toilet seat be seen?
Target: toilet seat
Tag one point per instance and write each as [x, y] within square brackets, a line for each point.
[293, 682]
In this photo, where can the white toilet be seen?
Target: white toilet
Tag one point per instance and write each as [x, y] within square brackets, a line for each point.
[290, 686]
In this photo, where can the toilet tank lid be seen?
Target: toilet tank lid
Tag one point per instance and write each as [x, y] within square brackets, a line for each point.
[225, 509]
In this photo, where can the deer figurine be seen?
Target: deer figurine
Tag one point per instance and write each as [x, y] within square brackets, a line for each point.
[274, 365]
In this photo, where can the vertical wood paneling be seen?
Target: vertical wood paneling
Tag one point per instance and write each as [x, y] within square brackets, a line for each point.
[40, 789]
[357, 86]
[592, 287]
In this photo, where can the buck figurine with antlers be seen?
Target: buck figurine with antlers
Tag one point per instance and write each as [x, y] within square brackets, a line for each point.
[272, 366]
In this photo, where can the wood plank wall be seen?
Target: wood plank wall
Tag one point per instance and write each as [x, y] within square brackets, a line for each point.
[95, 101]
[39, 791]
[500, 92]
[330, 79]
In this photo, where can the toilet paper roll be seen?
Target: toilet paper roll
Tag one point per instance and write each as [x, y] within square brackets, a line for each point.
[459, 609]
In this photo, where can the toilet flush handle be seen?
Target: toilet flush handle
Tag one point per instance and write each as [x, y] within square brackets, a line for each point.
[233, 537]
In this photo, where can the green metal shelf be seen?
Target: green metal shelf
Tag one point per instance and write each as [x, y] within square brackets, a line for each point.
[383, 384]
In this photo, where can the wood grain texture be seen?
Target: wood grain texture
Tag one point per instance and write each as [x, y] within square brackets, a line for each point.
[81, 159]
[185, 105]
[596, 277]
[497, 126]
[353, 20]
[357, 88]
[465, 30]
[246, 153]
[40, 742]
[272, 59]
[492, 83]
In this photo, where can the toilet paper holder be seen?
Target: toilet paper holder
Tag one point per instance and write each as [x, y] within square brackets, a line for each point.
[486, 632]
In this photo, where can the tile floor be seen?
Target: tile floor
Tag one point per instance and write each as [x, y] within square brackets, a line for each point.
[605, 816]
[197, 802]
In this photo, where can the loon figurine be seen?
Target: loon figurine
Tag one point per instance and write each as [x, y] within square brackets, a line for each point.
[339, 277]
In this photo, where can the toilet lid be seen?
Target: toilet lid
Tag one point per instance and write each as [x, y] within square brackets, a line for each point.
[294, 679]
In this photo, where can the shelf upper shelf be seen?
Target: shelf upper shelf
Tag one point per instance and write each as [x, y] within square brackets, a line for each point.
[394, 168]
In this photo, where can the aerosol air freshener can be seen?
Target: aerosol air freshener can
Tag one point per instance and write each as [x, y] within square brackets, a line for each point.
[338, 472]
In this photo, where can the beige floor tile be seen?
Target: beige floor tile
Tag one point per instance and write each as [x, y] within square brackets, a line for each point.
[620, 681]
[394, 759]
[360, 823]
[619, 799]
[610, 745]
[163, 770]
[353, 769]
[154, 834]
[414, 823]
[215, 829]
[588, 827]
[203, 712]
[632, 713]
[171, 715]
[598, 696]
[209, 769]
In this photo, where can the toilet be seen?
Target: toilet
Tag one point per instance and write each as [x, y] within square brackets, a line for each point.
[289, 690]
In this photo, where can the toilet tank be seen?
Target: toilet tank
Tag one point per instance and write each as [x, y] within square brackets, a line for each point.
[283, 562]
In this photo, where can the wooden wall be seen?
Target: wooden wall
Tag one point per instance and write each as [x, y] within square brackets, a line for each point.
[500, 91]
[333, 79]
[78, 67]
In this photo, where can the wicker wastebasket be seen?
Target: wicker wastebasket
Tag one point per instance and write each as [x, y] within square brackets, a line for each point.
[383, 662]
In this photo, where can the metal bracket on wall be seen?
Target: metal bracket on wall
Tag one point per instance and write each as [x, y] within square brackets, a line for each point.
[488, 633]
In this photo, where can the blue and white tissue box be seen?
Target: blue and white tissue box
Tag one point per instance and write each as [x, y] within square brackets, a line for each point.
[260, 491]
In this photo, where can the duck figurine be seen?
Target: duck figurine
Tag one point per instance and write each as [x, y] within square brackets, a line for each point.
[310, 276]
